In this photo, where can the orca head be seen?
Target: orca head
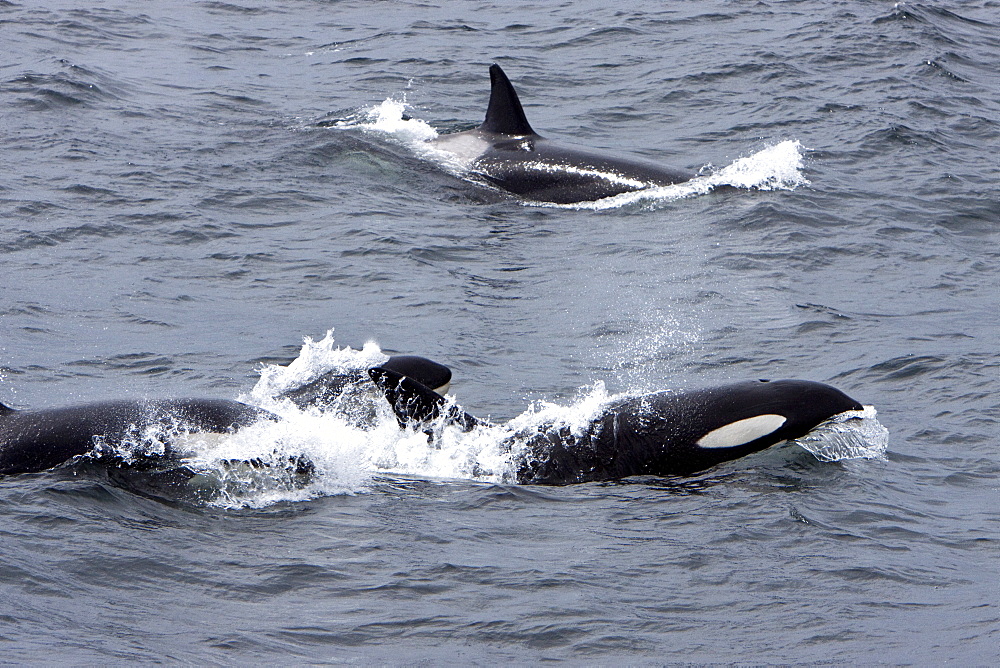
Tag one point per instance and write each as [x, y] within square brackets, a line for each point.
[332, 387]
[806, 404]
[762, 413]
[436, 377]
[504, 115]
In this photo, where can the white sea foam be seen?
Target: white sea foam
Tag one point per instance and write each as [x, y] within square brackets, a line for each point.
[299, 457]
[390, 118]
[315, 359]
[575, 417]
[310, 453]
[778, 167]
[262, 464]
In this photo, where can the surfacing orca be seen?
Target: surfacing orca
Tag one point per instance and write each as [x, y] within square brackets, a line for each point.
[37, 440]
[504, 151]
[659, 434]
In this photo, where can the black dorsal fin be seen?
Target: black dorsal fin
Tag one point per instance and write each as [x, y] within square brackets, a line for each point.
[504, 115]
[414, 402]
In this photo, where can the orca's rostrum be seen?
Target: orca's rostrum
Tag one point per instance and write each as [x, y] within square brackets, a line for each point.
[507, 153]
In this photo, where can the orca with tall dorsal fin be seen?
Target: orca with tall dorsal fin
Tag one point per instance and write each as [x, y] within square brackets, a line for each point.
[660, 434]
[507, 153]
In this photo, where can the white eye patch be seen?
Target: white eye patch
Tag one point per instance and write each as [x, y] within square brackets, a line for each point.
[742, 431]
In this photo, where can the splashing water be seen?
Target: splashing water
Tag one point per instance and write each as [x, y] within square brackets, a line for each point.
[315, 359]
[576, 417]
[389, 120]
[850, 435]
[776, 168]
[295, 459]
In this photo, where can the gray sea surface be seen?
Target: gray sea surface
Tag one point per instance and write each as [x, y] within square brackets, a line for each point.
[187, 192]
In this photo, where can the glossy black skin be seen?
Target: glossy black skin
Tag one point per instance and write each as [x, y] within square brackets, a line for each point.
[416, 404]
[36, 440]
[530, 167]
[657, 434]
[522, 162]
[653, 434]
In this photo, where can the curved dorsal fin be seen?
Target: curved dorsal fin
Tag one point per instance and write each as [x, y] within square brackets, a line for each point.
[504, 115]
[414, 402]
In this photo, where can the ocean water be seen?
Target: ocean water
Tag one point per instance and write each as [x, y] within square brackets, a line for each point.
[193, 195]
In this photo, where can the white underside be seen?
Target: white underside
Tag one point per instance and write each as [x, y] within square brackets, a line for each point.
[742, 431]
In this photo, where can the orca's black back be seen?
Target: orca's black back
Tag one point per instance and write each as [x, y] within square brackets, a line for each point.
[659, 433]
[32, 441]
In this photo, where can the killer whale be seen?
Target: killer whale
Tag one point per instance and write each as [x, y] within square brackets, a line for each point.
[36, 440]
[659, 434]
[507, 153]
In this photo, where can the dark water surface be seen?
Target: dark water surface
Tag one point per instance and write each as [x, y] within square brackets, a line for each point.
[175, 211]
